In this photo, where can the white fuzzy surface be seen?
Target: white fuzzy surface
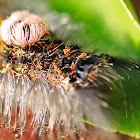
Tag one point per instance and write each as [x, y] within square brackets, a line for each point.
[50, 104]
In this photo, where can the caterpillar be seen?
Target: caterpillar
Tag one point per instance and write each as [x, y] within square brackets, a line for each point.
[48, 85]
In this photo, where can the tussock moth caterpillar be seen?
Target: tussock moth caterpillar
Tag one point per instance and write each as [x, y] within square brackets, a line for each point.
[51, 83]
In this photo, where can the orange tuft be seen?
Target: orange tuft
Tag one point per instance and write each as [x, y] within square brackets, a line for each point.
[0, 25]
[82, 55]
[95, 66]
[56, 68]
[66, 50]
[72, 72]
[86, 74]
[38, 65]
[72, 66]
[90, 74]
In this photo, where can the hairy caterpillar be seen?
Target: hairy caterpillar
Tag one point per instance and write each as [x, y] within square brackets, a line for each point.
[51, 83]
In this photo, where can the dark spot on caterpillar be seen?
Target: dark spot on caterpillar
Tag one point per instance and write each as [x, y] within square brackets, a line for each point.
[22, 59]
[7, 56]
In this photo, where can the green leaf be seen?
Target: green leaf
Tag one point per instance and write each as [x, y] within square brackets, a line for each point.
[107, 25]
[112, 27]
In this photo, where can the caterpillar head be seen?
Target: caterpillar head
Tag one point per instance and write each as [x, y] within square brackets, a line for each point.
[23, 29]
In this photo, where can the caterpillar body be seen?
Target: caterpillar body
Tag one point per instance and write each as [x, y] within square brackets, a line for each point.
[47, 84]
